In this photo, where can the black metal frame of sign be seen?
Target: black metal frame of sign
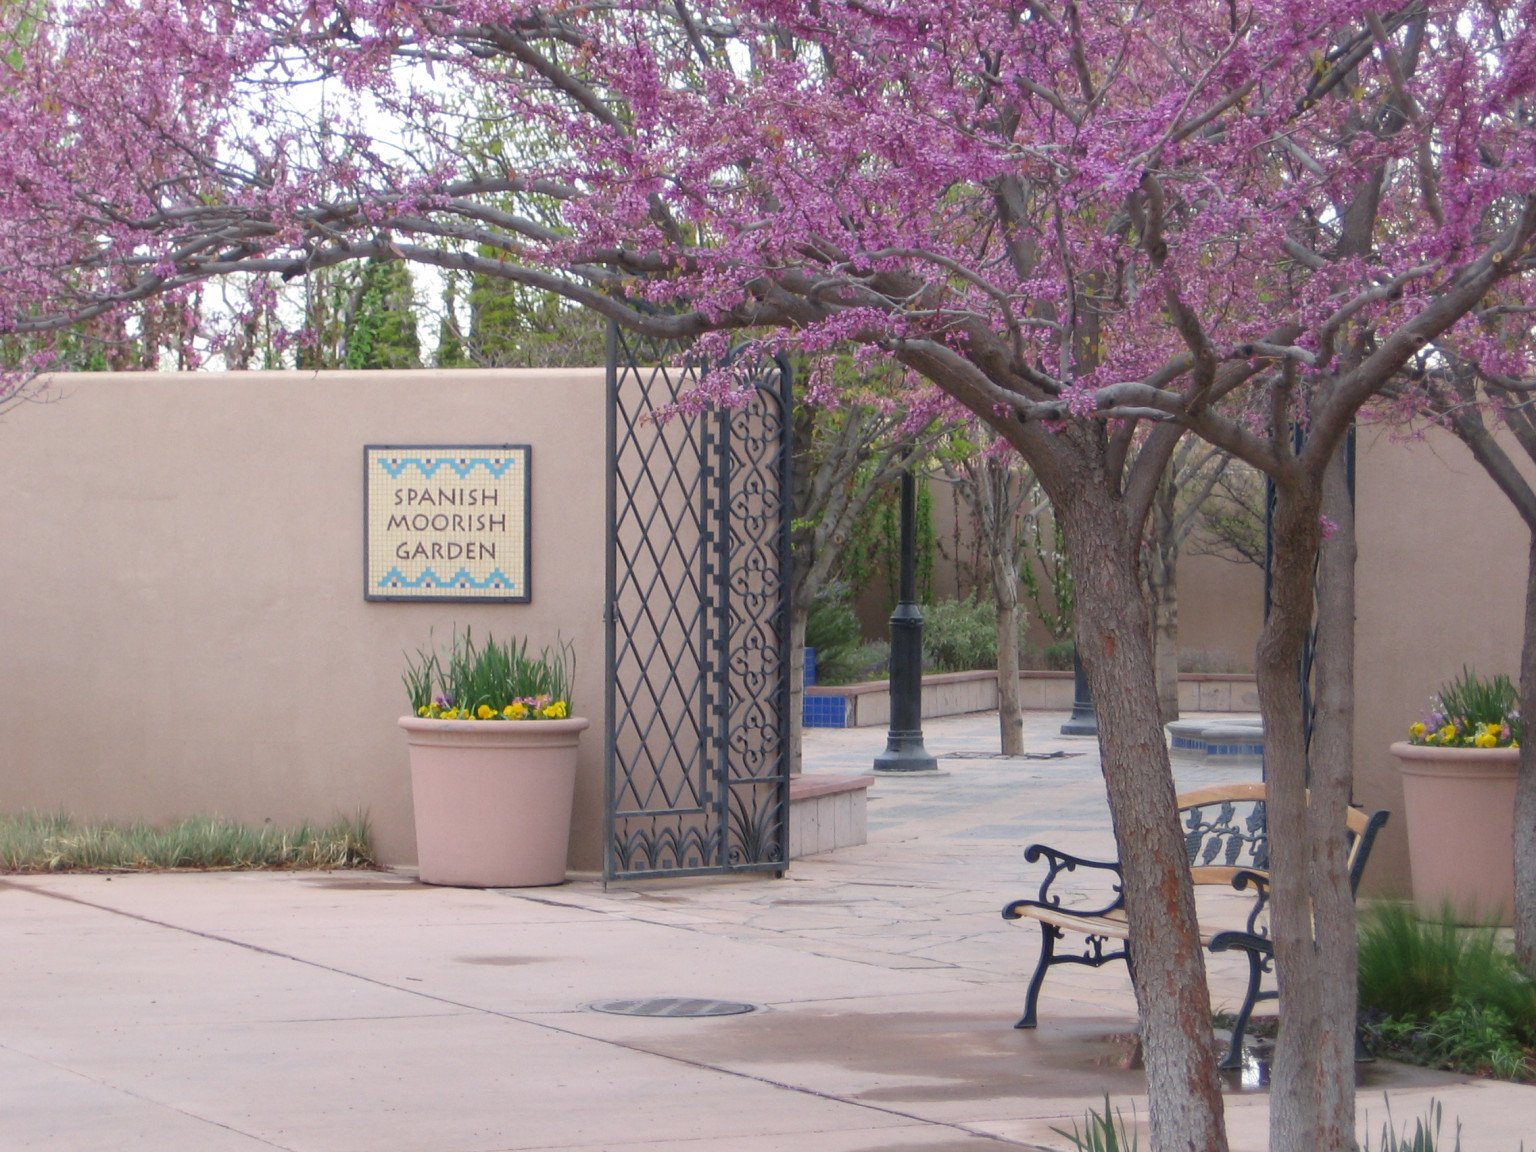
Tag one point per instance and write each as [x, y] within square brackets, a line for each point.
[461, 585]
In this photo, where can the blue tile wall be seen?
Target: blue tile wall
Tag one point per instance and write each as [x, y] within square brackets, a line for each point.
[826, 711]
[1234, 749]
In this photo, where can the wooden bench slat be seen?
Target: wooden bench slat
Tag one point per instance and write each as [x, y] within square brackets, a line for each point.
[1113, 926]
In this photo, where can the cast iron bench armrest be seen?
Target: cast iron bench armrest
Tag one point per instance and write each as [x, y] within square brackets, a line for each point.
[1247, 941]
[1260, 883]
[1056, 863]
[1227, 842]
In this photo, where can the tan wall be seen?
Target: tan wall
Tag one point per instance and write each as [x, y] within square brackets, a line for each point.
[184, 629]
[1440, 583]
[1221, 604]
[1221, 609]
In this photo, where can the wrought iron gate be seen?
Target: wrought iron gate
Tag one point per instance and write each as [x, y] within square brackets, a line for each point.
[697, 621]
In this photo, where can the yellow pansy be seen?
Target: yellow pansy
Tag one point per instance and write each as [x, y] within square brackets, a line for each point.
[555, 711]
[485, 712]
[1416, 730]
[1485, 740]
[515, 711]
[1447, 732]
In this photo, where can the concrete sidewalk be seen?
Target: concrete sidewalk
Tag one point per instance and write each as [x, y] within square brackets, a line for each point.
[362, 1012]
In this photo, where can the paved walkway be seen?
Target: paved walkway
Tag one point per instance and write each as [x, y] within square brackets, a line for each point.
[359, 1012]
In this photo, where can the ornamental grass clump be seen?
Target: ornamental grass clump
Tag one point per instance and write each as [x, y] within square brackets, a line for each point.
[41, 842]
[494, 681]
[1436, 994]
[1471, 712]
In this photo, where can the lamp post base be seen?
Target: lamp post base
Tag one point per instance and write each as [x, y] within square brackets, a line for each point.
[1081, 726]
[905, 755]
[1083, 721]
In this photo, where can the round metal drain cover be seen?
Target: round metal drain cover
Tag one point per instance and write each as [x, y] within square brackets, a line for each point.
[672, 1006]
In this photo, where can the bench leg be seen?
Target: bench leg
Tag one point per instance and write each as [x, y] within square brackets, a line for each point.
[1234, 1057]
[1363, 1055]
[1049, 934]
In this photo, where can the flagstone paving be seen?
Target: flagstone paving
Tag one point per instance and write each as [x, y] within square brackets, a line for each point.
[363, 1012]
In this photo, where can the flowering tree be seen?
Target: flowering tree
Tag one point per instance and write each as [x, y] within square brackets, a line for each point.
[1097, 224]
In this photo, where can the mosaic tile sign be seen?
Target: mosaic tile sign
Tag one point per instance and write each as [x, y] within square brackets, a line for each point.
[446, 522]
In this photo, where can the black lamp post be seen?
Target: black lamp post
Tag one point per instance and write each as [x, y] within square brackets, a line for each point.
[1084, 721]
[904, 752]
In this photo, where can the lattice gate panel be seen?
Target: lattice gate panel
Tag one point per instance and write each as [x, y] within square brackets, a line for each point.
[698, 621]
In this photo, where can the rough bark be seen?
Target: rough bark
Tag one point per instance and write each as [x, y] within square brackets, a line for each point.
[1010, 712]
[1114, 640]
[1162, 584]
[1279, 651]
[1525, 784]
[1311, 1107]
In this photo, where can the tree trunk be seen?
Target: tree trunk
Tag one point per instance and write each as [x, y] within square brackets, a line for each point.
[1114, 640]
[799, 613]
[1525, 787]
[1312, 1093]
[1162, 583]
[1010, 713]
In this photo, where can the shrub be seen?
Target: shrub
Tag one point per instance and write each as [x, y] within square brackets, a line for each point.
[1467, 1037]
[1436, 994]
[832, 628]
[959, 635]
[871, 661]
[1058, 656]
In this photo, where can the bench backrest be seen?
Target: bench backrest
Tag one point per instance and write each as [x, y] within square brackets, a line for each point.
[1225, 832]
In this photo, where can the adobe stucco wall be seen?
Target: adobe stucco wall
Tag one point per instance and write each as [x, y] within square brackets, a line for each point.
[1221, 603]
[184, 629]
[1221, 610]
[1440, 583]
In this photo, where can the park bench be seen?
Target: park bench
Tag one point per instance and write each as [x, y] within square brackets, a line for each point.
[1227, 842]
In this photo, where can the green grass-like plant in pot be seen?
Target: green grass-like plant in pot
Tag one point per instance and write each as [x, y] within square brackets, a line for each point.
[1459, 766]
[493, 749]
[497, 680]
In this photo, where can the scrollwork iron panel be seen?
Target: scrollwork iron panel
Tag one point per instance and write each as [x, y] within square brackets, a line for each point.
[1227, 833]
[698, 620]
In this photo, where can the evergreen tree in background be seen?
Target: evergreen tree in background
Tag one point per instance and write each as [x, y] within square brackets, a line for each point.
[363, 316]
[513, 326]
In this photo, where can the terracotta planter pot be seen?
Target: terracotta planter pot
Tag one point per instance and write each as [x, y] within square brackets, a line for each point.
[492, 799]
[1460, 805]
